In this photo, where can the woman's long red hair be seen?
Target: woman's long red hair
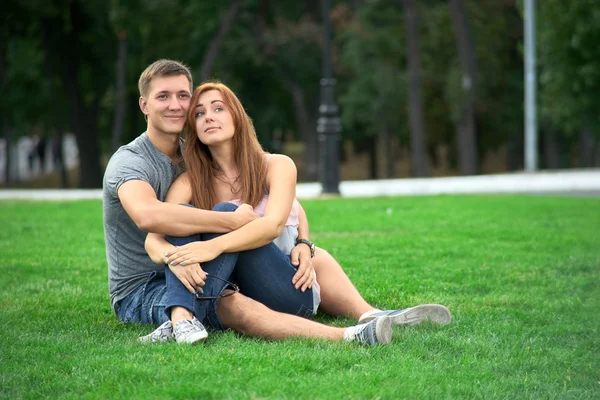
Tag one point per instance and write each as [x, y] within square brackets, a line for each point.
[248, 153]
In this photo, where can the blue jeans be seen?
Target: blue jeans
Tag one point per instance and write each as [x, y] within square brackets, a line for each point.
[263, 274]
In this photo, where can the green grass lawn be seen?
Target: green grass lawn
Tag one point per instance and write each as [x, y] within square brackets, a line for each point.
[520, 275]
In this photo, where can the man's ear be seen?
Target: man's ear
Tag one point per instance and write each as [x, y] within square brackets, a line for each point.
[143, 105]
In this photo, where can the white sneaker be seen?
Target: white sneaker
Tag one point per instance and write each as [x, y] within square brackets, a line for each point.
[376, 332]
[163, 333]
[186, 331]
[415, 315]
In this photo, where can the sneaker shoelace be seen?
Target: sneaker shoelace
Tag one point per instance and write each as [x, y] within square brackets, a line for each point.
[362, 332]
[187, 327]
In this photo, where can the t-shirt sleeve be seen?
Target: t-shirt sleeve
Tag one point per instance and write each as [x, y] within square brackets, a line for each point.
[125, 166]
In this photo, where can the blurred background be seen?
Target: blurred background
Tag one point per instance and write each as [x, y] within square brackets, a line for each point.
[423, 87]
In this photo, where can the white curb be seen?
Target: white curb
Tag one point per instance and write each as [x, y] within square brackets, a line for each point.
[570, 182]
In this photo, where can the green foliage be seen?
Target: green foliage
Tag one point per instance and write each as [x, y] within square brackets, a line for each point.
[26, 99]
[274, 46]
[372, 59]
[519, 273]
[570, 63]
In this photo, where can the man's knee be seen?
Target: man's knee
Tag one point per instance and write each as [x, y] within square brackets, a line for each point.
[225, 207]
[238, 312]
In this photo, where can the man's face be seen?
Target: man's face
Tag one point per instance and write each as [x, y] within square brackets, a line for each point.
[167, 103]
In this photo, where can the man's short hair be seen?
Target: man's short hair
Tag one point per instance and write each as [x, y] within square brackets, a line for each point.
[162, 68]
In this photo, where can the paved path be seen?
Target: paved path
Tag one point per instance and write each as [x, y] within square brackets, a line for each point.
[568, 182]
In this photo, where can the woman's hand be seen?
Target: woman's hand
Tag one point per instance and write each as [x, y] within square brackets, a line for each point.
[192, 276]
[305, 276]
[156, 247]
[192, 253]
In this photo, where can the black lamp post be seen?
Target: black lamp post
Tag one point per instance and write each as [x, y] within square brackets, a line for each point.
[328, 124]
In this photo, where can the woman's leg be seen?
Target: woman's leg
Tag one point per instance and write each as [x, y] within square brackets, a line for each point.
[265, 275]
[180, 301]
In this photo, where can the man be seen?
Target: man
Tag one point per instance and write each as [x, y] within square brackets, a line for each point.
[135, 184]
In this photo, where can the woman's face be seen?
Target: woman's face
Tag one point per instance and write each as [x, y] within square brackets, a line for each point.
[214, 122]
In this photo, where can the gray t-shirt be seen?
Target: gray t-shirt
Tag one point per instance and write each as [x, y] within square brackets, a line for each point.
[128, 264]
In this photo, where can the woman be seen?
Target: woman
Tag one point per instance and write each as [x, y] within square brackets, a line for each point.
[226, 164]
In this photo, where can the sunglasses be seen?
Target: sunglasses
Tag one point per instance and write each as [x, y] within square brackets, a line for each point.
[234, 289]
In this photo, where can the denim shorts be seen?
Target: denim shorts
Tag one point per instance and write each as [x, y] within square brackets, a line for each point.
[147, 305]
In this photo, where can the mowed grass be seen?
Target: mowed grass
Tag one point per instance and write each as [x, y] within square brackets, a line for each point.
[519, 273]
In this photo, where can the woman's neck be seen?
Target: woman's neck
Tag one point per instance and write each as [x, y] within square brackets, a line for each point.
[223, 157]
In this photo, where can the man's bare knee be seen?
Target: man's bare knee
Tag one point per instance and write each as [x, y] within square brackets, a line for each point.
[237, 311]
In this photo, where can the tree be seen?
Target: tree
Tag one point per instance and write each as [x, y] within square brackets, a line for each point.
[415, 112]
[570, 73]
[287, 42]
[77, 43]
[215, 44]
[118, 20]
[465, 123]
[373, 87]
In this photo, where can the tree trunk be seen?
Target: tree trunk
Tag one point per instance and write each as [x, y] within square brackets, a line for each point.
[64, 177]
[551, 153]
[82, 118]
[415, 111]
[514, 150]
[306, 128]
[215, 45]
[386, 143]
[85, 127]
[465, 126]
[586, 149]
[6, 128]
[120, 106]
[372, 157]
[8, 135]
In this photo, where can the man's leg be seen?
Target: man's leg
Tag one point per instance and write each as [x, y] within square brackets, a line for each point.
[247, 316]
[339, 297]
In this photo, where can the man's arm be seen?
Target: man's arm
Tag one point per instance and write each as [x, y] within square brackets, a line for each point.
[152, 215]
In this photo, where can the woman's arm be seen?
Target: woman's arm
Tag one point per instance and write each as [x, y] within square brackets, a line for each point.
[281, 180]
[302, 224]
[156, 245]
[301, 256]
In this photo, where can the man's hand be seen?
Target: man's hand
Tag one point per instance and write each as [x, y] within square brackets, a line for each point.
[192, 276]
[306, 275]
[245, 214]
[193, 253]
